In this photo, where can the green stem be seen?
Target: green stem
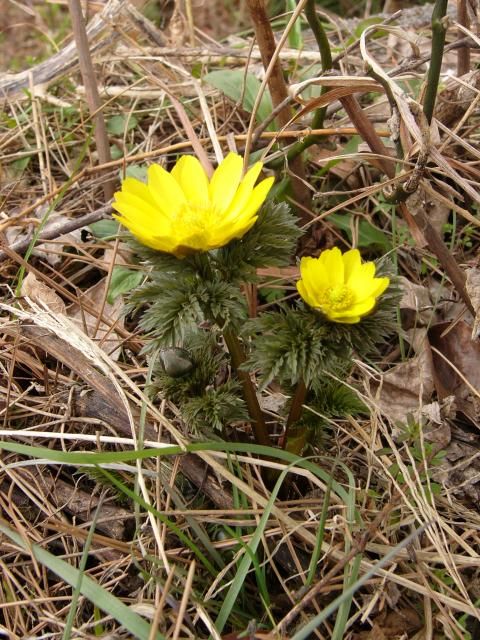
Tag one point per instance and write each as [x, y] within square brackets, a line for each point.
[237, 355]
[326, 61]
[296, 408]
[439, 31]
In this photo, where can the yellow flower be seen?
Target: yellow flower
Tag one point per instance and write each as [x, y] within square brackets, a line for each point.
[182, 211]
[339, 285]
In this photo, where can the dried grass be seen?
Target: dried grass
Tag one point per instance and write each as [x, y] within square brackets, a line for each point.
[68, 394]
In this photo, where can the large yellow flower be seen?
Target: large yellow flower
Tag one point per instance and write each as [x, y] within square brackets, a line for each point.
[340, 285]
[182, 211]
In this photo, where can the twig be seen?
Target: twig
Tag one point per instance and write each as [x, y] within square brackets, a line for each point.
[59, 229]
[326, 63]
[439, 31]
[65, 60]
[91, 90]
[278, 92]
[463, 55]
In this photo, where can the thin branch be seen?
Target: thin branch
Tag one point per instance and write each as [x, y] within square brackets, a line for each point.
[91, 90]
[439, 31]
[463, 55]
[279, 93]
[59, 229]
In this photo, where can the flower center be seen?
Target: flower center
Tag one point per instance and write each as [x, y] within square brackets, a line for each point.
[337, 298]
[195, 219]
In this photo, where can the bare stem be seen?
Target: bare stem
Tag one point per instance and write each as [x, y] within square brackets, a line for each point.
[279, 93]
[439, 31]
[237, 355]
[91, 90]
[326, 61]
[463, 56]
[296, 408]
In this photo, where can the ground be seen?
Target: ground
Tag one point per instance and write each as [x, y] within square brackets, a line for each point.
[137, 500]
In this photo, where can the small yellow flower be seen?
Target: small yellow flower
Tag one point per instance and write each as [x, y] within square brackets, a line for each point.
[182, 211]
[339, 285]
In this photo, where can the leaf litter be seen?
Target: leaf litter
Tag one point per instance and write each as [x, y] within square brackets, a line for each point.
[414, 460]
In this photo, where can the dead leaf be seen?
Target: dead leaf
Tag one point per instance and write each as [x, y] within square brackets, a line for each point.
[85, 315]
[42, 294]
[397, 624]
[416, 305]
[472, 287]
[456, 351]
[408, 386]
[437, 212]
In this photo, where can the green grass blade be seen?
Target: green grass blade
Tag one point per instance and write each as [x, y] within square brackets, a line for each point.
[246, 562]
[171, 525]
[67, 632]
[105, 601]
[315, 622]
[98, 458]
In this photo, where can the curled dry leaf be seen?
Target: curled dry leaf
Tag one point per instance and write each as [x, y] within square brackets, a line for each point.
[42, 294]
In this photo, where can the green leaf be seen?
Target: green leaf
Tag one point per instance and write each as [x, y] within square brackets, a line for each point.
[138, 171]
[238, 86]
[368, 236]
[115, 152]
[138, 627]
[295, 39]
[123, 280]
[19, 166]
[104, 228]
[119, 125]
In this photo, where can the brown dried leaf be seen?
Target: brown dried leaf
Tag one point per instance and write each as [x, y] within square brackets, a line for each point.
[472, 287]
[408, 386]
[437, 212]
[415, 305]
[42, 294]
[456, 351]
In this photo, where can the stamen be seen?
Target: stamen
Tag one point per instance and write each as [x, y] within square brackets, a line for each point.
[337, 298]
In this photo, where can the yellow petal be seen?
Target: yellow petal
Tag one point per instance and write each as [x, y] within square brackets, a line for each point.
[136, 188]
[145, 236]
[133, 207]
[254, 202]
[227, 233]
[371, 289]
[193, 181]
[331, 259]
[197, 240]
[244, 190]
[166, 190]
[362, 274]
[306, 294]
[347, 319]
[315, 277]
[355, 311]
[351, 262]
[381, 284]
[225, 181]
